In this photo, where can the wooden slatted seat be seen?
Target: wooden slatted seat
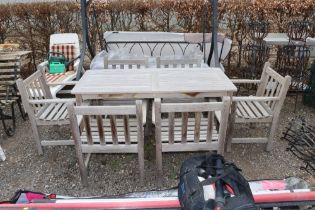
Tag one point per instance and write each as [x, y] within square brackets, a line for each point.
[253, 110]
[264, 107]
[42, 108]
[107, 129]
[189, 127]
[53, 112]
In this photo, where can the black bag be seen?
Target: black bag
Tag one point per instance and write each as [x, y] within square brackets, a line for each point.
[231, 191]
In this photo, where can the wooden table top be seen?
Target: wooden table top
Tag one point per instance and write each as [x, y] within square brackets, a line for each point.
[153, 82]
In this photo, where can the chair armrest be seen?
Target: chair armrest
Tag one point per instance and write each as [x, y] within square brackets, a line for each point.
[245, 81]
[62, 83]
[43, 65]
[51, 101]
[254, 98]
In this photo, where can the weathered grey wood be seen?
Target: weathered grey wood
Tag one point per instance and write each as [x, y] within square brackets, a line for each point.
[113, 129]
[190, 147]
[244, 81]
[62, 142]
[197, 106]
[77, 141]
[41, 108]
[44, 85]
[125, 63]
[223, 124]
[100, 128]
[123, 134]
[184, 126]
[140, 138]
[126, 129]
[197, 126]
[102, 110]
[230, 127]
[87, 126]
[185, 62]
[250, 140]
[274, 125]
[210, 126]
[22, 89]
[190, 133]
[158, 144]
[153, 82]
[264, 107]
[171, 121]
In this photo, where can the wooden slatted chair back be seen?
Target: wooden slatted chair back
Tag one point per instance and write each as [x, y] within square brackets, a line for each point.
[189, 127]
[186, 62]
[34, 88]
[10, 69]
[272, 84]
[108, 128]
[130, 63]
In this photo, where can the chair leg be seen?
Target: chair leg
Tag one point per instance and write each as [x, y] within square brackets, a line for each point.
[141, 165]
[36, 137]
[273, 129]
[159, 161]
[83, 170]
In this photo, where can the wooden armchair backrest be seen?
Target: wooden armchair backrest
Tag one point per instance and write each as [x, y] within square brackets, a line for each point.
[125, 63]
[181, 128]
[34, 88]
[114, 125]
[164, 62]
[272, 84]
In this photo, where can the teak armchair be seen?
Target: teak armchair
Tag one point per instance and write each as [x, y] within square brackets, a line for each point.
[42, 108]
[264, 107]
[107, 129]
[189, 127]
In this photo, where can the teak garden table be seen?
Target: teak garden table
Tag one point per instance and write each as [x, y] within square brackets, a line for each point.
[153, 83]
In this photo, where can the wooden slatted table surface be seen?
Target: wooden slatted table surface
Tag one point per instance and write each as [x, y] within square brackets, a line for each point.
[153, 83]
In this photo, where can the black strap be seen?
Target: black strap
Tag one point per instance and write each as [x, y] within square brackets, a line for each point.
[214, 179]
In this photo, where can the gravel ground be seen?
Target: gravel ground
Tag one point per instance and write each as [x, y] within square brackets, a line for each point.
[57, 171]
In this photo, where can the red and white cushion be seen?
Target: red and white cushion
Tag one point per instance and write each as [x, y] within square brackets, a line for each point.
[68, 50]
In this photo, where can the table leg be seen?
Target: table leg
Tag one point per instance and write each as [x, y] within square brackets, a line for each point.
[149, 140]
